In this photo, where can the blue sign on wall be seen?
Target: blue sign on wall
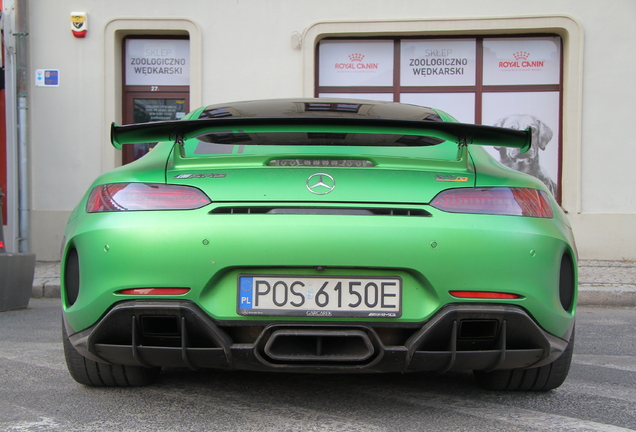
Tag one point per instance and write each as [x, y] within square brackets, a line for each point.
[47, 77]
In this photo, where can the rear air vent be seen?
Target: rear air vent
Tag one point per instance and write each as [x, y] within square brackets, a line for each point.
[71, 276]
[367, 211]
[566, 282]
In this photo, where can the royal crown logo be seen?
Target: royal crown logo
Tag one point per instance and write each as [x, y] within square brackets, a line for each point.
[356, 57]
[521, 55]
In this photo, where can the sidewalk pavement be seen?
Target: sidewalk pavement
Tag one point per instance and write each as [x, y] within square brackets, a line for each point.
[601, 283]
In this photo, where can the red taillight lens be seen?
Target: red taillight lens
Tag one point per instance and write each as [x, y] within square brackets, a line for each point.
[495, 201]
[154, 291]
[484, 295]
[144, 196]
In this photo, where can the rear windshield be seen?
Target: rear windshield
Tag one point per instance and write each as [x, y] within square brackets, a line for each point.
[233, 143]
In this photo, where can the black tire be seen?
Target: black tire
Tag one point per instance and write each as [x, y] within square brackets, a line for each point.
[92, 373]
[543, 378]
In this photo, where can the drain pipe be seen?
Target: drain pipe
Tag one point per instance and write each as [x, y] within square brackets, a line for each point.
[23, 158]
[17, 269]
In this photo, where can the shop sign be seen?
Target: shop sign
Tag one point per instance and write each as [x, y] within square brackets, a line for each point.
[439, 62]
[157, 62]
[356, 63]
[522, 61]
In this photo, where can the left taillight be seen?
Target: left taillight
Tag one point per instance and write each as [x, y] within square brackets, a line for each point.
[144, 196]
[495, 201]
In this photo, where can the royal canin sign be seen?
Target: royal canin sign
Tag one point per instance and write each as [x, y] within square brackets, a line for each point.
[521, 62]
[356, 62]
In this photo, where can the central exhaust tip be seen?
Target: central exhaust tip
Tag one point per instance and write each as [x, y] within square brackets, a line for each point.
[300, 345]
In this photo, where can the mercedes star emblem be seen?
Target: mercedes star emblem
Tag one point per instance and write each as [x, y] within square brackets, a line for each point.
[320, 183]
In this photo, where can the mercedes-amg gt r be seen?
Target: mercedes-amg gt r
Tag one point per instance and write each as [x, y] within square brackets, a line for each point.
[319, 235]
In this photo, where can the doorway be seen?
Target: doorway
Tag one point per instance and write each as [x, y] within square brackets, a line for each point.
[156, 84]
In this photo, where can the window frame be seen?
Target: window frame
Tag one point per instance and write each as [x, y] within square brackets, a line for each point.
[478, 89]
[131, 92]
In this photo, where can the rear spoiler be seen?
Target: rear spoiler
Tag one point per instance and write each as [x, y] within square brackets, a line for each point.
[180, 130]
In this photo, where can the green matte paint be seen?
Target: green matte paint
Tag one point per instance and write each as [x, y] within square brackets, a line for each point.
[206, 252]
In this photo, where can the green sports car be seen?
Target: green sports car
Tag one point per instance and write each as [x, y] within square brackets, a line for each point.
[319, 235]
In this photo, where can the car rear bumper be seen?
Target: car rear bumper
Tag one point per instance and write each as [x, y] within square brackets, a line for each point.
[207, 254]
[179, 334]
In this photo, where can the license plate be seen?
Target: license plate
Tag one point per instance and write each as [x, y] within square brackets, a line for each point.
[309, 296]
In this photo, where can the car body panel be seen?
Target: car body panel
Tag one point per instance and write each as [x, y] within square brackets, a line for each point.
[358, 246]
[378, 221]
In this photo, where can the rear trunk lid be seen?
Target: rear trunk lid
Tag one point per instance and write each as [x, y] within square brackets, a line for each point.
[324, 178]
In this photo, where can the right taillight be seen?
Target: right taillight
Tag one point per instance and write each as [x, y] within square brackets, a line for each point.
[495, 201]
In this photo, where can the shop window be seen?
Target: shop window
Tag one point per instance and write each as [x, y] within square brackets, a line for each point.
[156, 84]
[504, 81]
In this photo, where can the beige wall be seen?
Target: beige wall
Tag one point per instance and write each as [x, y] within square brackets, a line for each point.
[244, 50]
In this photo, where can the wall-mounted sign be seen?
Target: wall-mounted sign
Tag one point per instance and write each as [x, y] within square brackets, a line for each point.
[157, 62]
[47, 78]
[439, 62]
[356, 63]
[519, 61]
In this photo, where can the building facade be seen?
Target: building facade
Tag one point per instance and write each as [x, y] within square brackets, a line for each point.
[556, 66]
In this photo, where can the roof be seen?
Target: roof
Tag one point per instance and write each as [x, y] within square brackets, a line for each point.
[323, 107]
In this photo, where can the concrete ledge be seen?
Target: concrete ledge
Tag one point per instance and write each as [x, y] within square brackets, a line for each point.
[46, 289]
[607, 283]
[46, 282]
[617, 296]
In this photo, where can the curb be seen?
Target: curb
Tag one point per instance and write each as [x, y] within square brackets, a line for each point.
[45, 289]
[606, 296]
[601, 283]
[607, 283]
[46, 281]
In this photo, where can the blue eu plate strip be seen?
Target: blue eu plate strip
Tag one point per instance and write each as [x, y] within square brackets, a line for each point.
[246, 284]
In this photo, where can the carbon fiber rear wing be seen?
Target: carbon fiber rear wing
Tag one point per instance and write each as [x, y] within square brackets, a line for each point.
[180, 130]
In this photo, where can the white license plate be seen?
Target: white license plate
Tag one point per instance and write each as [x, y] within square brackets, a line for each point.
[309, 296]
